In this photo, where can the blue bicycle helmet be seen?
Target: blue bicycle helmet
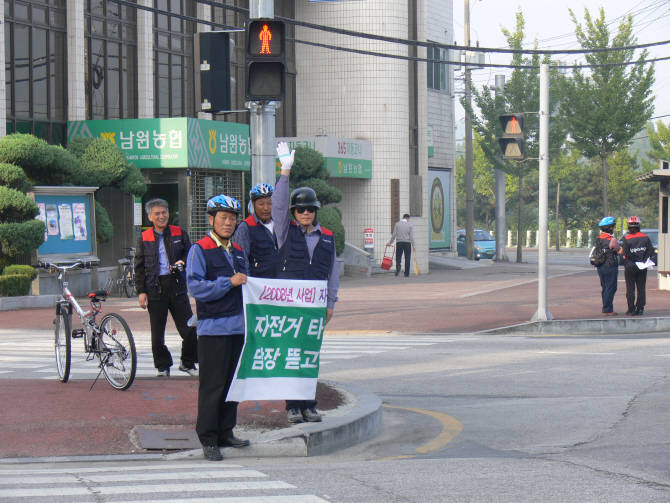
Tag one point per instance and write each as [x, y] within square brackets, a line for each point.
[606, 222]
[223, 203]
[260, 190]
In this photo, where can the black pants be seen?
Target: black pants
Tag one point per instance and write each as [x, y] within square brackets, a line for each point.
[218, 357]
[300, 404]
[608, 283]
[406, 248]
[180, 308]
[635, 278]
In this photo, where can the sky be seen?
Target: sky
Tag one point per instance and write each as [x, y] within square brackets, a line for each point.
[549, 21]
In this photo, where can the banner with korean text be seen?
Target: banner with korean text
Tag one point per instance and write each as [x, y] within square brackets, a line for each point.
[285, 320]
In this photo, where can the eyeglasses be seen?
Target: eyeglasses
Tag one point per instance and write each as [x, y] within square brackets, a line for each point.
[310, 209]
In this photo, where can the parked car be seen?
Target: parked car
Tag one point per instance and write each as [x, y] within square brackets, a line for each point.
[653, 235]
[485, 244]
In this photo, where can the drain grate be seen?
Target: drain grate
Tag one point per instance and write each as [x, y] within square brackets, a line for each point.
[166, 438]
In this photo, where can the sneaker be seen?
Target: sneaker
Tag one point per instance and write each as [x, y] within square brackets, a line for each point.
[163, 373]
[640, 311]
[294, 416]
[610, 314]
[192, 372]
[631, 312]
[311, 415]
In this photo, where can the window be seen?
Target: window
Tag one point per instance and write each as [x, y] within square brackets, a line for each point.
[437, 72]
[35, 68]
[110, 60]
[174, 90]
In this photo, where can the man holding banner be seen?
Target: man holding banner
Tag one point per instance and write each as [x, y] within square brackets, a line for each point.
[215, 272]
[306, 252]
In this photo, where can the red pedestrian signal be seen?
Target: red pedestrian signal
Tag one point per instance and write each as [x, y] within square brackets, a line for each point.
[265, 37]
[513, 138]
[266, 60]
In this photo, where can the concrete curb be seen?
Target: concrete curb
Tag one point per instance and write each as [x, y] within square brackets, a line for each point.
[27, 302]
[622, 325]
[361, 423]
[312, 439]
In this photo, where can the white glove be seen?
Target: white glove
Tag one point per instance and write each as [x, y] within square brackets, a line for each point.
[285, 158]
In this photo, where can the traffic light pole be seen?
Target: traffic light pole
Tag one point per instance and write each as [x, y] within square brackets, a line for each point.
[501, 213]
[469, 170]
[263, 143]
[543, 313]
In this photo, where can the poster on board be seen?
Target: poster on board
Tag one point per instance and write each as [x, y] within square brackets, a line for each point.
[52, 220]
[65, 222]
[43, 217]
[79, 216]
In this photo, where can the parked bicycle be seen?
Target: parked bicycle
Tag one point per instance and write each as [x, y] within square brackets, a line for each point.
[111, 341]
[127, 281]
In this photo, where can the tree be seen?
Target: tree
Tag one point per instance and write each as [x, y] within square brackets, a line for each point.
[608, 107]
[309, 170]
[560, 168]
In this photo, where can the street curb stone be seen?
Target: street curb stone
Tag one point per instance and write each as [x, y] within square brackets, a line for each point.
[623, 325]
[27, 302]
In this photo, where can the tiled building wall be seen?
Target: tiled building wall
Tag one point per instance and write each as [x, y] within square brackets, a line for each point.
[364, 97]
[439, 28]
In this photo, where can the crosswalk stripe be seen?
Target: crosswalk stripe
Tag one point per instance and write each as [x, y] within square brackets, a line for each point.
[134, 477]
[133, 468]
[306, 498]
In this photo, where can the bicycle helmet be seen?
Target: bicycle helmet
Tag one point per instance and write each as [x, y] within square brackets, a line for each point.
[606, 222]
[304, 197]
[260, 190]
[223, 203]
[633, 221]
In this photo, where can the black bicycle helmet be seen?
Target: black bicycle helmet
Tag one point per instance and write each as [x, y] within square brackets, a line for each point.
[304, 197]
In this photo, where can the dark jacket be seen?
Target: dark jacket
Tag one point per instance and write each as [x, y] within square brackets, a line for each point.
[177, 244]
[260, 246]
[294, 261]
[636, 248]
[610, 255]
[218, 265]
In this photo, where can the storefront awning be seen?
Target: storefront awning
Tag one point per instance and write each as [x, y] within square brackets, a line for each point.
[173, 142]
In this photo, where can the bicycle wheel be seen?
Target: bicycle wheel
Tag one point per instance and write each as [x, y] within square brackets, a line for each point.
[63, 344]
[117, 353]
[128, 281]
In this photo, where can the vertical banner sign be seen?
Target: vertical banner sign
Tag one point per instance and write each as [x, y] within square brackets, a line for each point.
[440, 208]
[395, 202]
[284, 329]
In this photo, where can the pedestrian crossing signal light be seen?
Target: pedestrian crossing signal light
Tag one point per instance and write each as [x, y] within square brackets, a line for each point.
[513, 138]
[265, 60]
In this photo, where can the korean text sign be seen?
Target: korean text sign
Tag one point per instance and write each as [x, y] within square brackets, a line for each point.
[285, 320]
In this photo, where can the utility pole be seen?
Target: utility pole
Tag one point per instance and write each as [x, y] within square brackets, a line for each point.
[501, 221]
[263, 143]
[543, 313]
[469, 174]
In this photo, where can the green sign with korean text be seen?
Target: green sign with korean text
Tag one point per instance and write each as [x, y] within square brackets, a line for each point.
[285, 320]
[173, 142]
[345, 158]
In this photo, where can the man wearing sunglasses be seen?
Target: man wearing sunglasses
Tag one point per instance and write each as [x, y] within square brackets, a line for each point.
[306, 251]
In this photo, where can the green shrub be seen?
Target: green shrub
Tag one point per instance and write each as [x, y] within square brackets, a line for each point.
[331, 219]
[14, 285]
[104, 230]
[77, 146]
[26, 270]
[15, 206]
[12, 177]
[103, 164]
[16, 238]
[133, 183]
[326, 193]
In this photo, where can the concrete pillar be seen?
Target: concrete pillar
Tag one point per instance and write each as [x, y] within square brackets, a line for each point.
[579, 239]
[590, 238]
[76, 83]
[528, 242]
[509, 238]
[145, 61]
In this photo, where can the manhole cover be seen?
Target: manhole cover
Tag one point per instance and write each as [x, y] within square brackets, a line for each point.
[168, 438]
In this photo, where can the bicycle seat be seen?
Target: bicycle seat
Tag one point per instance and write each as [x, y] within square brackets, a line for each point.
[98, 294]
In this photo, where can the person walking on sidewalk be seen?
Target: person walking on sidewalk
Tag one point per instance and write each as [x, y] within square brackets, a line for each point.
[403, 232]
[215, 272]
[160, 254]
[637, 247]
[609, 269]
[256, 234]
[306, 251]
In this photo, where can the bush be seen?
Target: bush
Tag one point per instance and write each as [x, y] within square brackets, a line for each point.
[25, 270]
[16, 238]
[12, 177]
[77, 146]
[103, 164]
[15, 206]
[326, 193]
[104, 230]
[14, 285]
[133, 183]
[331, 219]
[309, 163]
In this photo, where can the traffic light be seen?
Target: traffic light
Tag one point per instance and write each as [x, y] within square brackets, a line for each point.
[512, 141]
[266, 59]
[212, 71]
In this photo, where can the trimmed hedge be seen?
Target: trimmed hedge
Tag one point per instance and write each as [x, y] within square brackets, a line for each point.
[104, 230]
[15, 206]
[16, 238]
[133, 183]
[12, 177]
[14, 285]
[103, 164]
[26, 270]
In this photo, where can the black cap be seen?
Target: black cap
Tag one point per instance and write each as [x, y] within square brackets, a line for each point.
[304, 197]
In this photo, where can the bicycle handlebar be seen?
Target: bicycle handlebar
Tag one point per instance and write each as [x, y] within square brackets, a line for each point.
[74, 265]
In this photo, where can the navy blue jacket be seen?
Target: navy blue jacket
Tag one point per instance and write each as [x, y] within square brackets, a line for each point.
[294, 261]
[262, 257]
[636, 248]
